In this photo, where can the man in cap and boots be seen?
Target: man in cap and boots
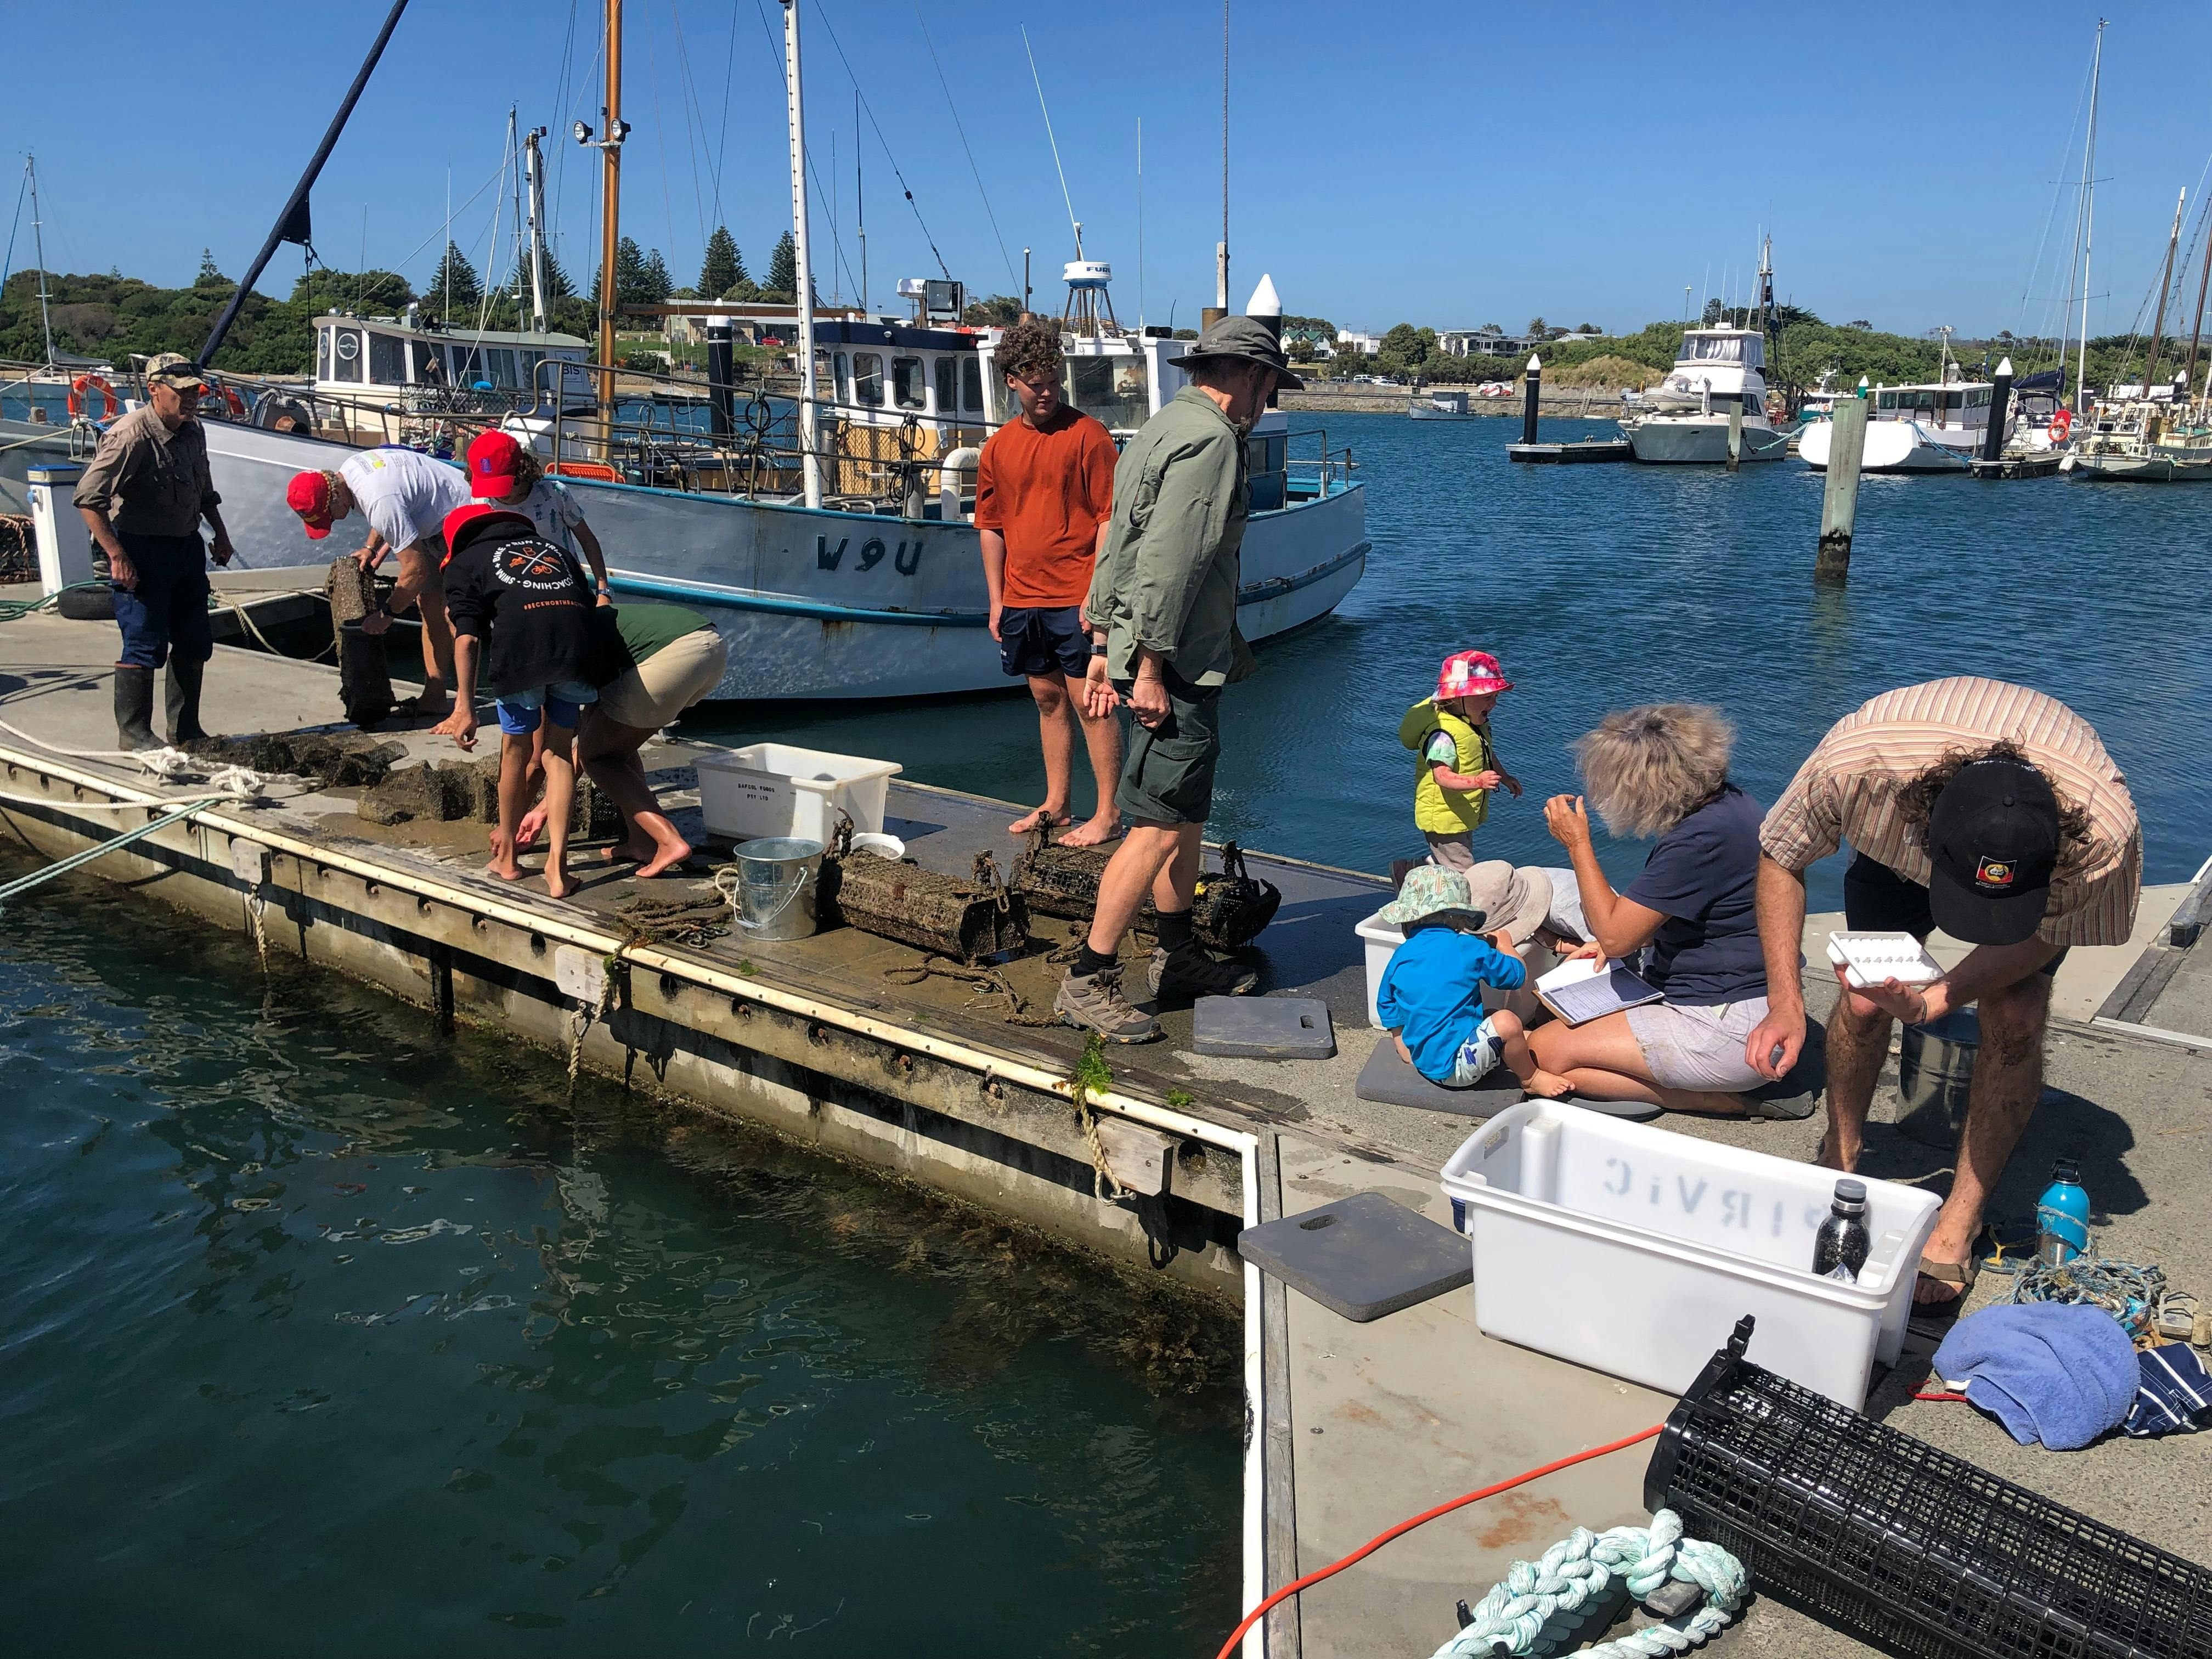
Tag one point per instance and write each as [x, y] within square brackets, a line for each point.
[1162, 616]
[142, 498]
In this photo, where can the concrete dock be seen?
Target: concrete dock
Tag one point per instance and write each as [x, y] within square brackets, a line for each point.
[830, 1040]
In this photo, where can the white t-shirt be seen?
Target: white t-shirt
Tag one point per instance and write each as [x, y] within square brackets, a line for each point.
[405, 492]
[553, 510]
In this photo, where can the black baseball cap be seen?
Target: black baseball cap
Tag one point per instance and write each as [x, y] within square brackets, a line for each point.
[1992, 844]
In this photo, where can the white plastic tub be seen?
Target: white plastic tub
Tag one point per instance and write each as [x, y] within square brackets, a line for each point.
[772, 789]
[1381, 938]
[1634, 1250]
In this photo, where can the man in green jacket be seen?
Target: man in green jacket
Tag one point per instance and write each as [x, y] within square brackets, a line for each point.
[1162, 614]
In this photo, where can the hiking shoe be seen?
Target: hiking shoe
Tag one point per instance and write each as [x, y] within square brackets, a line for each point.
[1191, 973]
[1094, 1002]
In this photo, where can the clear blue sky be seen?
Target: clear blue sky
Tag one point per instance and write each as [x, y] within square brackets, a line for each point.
[1441, 163]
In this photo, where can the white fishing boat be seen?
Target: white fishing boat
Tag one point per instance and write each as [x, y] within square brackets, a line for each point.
[1685, 419]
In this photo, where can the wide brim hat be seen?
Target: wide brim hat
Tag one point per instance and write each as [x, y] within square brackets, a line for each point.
[1470, 674]
[1517, 899]
[1245, 337]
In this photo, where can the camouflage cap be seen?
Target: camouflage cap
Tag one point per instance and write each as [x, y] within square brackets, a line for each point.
[174, 369]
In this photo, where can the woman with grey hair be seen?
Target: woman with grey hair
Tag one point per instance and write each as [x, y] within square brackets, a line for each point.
[1660, 773]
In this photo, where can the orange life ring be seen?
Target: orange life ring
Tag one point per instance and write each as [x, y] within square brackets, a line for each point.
[84, 383]
[2061, 424]
[231, 401]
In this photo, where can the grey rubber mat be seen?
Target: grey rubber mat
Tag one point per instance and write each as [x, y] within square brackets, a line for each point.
[1262, 1028]
[1362, 1256]
[1387, 1080]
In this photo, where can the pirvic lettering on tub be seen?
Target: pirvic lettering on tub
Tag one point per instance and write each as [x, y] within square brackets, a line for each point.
[1627, 1177]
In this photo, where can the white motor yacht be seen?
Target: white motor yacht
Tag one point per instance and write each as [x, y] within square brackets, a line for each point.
[1684, 420]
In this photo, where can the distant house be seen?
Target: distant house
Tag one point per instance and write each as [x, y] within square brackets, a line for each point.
[1480, 342]
[1352, 340]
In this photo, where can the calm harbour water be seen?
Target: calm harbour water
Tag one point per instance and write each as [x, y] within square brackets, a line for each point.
[1602, 586]
[325, 1336]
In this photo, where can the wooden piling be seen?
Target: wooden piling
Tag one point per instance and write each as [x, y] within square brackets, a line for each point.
[1839, 502]
[1735, 433]
[1535, 385]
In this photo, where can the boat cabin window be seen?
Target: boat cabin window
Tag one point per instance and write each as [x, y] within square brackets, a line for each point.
[841, 378]
[1708, 350]
[387, 360]
[948, 387]
[908, 391]
[867, 377]
[348, 354]
[468, 367]
[971, 385]
[525, 363]
[323, 353]
[1110, 390]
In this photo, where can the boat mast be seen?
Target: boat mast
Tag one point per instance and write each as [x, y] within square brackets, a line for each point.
[810, 459]
[1221, 249]
[2088, 223]
[859, 202]
[38, 241]
[2196, 328]
[2165, 282]
[610, 148]
[533, 173]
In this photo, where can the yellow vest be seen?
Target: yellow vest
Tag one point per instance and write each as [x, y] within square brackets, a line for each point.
[1438, 811]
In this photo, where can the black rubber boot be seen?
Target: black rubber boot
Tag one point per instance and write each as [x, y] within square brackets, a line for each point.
[134, 707]
[183, 698]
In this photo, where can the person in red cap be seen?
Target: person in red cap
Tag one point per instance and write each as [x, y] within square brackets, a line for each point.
[405, 496]
[522, 610]
[502, 471]
[1458, 764]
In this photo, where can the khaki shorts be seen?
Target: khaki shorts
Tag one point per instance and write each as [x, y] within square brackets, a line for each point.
[682, 673]
[1699, 1047]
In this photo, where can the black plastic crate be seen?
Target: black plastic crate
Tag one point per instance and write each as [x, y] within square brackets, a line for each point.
[1884, 1535]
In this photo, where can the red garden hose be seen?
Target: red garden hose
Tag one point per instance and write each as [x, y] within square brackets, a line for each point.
[1403, 1526]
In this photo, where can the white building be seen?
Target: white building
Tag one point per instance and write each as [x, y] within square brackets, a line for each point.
[1351, 339]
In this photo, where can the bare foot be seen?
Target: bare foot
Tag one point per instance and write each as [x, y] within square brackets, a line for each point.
[1100, 829]
[627, 852]
[558, 884]
[1826, 1158]
[1547, 1085]
[1044, 818]
[527, 832]
[664, 859]
[505, 867]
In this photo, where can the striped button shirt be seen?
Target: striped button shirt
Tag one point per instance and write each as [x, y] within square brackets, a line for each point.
[1847, 791]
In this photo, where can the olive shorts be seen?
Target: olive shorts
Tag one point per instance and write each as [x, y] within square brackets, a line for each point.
[1167, 770]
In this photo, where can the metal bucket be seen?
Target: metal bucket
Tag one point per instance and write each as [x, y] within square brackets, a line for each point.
[773, 891]
[1934, 1069]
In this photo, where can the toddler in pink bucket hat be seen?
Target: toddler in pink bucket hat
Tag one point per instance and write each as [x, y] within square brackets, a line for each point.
[1456, 765]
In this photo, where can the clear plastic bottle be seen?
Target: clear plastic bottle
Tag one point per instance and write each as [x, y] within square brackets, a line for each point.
[2061, 1216]
[1840, 1249]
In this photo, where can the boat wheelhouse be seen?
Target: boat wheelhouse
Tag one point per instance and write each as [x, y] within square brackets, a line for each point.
[368, 369]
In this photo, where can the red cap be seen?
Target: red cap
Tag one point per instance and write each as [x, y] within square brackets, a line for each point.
[495, 459]
[309, 495]
[1470, 674]
[462, 519]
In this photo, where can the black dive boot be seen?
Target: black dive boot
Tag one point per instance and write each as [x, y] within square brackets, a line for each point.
[134, 707]
[183, 698]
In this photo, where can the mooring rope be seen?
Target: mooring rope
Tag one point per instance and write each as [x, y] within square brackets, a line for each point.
[992, 980]
[2129, 1291]
[581, 1022]
[1538, 1607]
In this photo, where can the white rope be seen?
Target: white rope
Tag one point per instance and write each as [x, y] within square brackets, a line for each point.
[1539, 1605]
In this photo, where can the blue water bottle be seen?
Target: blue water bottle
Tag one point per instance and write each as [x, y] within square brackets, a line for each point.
[2061, 1216]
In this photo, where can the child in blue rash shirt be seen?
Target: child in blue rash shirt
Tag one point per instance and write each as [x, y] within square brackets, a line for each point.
[1431, 997]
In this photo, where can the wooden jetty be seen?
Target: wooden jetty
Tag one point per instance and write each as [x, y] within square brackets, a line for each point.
[836, 1042]
[1582, 449]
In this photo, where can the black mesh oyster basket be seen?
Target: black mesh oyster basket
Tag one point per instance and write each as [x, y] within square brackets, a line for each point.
[1884, 1536]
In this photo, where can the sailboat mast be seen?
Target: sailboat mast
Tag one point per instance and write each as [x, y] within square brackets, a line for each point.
[2088, 223]
[533, 172]
[1221, 251]
[859, 202]
[610, 211]
[2165, 282]
[38, 242]
[809, 459]
[2196, 328]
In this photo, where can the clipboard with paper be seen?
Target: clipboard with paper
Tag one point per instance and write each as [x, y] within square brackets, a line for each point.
[1585, 990]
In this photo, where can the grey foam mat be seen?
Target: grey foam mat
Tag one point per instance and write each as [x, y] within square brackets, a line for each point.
[1387, 1080]
[1362, 1256]
[1262, 1028]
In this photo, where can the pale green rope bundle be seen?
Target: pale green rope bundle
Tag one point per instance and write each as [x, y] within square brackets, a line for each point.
[1538, 1607]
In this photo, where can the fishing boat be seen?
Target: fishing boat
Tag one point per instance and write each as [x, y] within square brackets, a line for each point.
[1714, 399]
[1439, 406]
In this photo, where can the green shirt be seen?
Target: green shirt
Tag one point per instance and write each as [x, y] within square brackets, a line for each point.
[641, 630]
[149, 480]
[1167, 579]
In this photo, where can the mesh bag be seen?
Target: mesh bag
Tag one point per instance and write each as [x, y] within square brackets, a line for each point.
[364, 681]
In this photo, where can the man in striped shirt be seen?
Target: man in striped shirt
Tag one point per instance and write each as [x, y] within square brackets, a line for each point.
[1987, 810]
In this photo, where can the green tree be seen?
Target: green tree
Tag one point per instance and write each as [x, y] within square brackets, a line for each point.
[453, 288]
[783, 271]
[998, 311]
[657, 284]
[1539, 329]
[724, 267]
[322, 289]
[1302, 350]
[1404, 349]
[211, 275]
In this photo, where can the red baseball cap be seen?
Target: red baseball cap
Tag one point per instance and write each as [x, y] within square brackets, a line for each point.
[463, 520]
[495, 460]
[309, 495]
[1470, 674]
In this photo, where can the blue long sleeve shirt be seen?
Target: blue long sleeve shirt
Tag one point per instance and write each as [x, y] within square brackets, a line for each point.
[1431, 993]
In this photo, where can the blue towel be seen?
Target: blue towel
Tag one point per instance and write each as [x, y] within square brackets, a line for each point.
[2176, 1395]
[2059, 1372]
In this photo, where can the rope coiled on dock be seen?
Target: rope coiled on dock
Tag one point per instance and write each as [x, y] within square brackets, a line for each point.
[1539, 1605]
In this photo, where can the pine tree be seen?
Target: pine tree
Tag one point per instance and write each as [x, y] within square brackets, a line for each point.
[210, 276]
[453, 285]
[783, 269]
[557, 285]
[724, 267]
[659, 285]
[631, 281]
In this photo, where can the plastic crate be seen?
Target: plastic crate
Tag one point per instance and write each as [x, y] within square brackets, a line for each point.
[1904, 1545]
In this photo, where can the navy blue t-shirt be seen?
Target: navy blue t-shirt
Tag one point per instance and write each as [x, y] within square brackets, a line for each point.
[1701, 877]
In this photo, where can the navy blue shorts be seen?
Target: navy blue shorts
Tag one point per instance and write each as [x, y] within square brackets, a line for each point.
[169, 609]
[1044, 641]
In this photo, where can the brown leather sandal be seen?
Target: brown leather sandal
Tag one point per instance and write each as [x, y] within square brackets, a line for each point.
[1960, 1273]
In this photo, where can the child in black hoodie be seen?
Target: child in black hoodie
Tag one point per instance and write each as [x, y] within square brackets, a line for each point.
[522, 611]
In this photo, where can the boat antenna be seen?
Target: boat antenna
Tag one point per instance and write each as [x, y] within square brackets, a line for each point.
[1039, 82]
[2088, 223]
[860, 200]
[293, 223]
[1221, 253]
[1140, 240]
[38, 242]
